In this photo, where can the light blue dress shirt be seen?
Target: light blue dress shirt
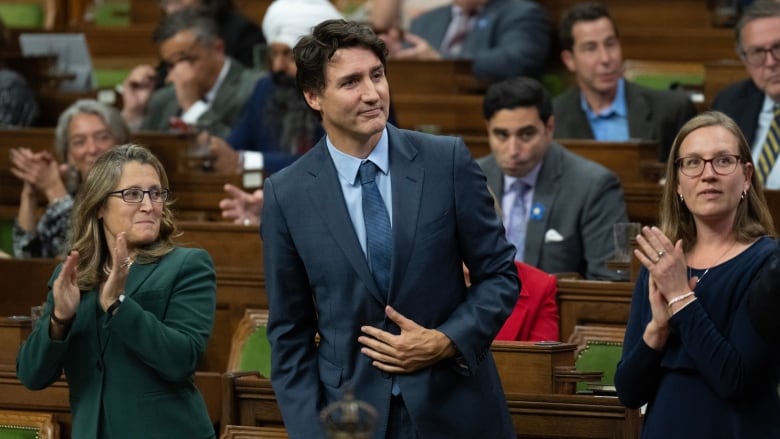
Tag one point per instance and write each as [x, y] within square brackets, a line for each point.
[611, 124]
[347, 168]
[765, 118]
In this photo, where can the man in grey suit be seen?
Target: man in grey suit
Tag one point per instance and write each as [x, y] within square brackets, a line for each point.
[603, 105]
[503, 38]
[558, 207]
[364, 238]
[207, 89]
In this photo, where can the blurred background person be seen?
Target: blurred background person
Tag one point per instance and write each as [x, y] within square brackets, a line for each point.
[206, 88]
[241, 36]
[128, 300]
[276, 126]
[690, 352]
[84, 131]
[18, 104]
[558, 208]
[602, 105]
[503, 38]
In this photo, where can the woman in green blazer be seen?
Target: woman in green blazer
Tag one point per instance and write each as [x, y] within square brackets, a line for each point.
[128, 313]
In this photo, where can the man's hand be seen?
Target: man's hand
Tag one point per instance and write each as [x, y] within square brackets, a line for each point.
[137, 88]
[419, 49]
[414, 349]
[225, 157]
[242, 207]
[185, 83]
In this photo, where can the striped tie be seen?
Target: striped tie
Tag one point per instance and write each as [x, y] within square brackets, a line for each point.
[771, 148]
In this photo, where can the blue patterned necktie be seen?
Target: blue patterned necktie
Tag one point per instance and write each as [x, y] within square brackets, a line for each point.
[379, 241]
[516, 224]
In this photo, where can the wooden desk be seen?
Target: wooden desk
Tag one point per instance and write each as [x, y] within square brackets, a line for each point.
[589, 302]
[24, 285]
[527, 367]
[440, 77]
[632, 161]
[719, 75]
[238, 258]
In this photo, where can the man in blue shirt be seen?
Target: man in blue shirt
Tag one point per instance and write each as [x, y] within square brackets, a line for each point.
[603, 105]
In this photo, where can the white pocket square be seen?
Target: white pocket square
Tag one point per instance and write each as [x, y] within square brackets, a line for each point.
[552, 235]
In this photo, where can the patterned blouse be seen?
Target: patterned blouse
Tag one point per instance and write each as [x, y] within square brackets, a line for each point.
[50, 236]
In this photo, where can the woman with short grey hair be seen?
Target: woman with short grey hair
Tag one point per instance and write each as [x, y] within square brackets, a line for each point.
[84, 131]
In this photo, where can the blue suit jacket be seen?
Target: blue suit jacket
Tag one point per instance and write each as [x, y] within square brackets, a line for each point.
[510, 37]
[318, 281]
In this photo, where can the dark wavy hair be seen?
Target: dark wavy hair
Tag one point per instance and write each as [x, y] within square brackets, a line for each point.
[313, 52]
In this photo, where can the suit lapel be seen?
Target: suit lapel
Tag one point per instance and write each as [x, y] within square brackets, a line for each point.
[640, 113]
[228, 87]
[407, 180]
[136, 276]
[545, 193]
[324, 179]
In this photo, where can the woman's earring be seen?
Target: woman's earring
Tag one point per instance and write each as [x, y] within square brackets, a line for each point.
[681, 197]
[744, 193]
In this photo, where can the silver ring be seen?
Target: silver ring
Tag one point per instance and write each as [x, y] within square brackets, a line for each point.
[127, 262]
[661, 254]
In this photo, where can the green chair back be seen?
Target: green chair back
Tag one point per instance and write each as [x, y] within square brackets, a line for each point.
[7, 236]
[113, 13]
[18, 432]
[256, 353]
[26, 15]
[601, 356]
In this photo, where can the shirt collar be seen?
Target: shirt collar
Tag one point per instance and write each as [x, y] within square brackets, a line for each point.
[529, 178]
[616, 108]
[220, 79]
[347, 165]
[769, 105]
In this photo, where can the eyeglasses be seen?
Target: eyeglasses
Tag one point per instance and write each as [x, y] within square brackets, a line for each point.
[756, 56]
[135, 195]
[693, 166]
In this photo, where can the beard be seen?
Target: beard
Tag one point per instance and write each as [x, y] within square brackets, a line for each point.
[287, 109]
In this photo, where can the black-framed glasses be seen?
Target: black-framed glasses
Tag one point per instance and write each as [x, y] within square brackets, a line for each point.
[136, 195]
[756, 56]
[693, 166]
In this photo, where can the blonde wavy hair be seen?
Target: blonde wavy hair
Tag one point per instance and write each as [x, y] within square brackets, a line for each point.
[86, 232]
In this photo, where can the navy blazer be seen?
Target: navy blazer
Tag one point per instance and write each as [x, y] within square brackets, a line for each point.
[510, 37]
[318, 282]
[741, 101]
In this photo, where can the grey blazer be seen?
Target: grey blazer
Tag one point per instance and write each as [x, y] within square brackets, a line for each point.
[652, 115]
[580, 200]
[510, 37]
[221, 115]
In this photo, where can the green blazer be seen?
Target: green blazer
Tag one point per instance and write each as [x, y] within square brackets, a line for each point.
[131, 375]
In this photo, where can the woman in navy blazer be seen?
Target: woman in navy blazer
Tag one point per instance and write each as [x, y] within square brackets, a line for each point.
[128, 313]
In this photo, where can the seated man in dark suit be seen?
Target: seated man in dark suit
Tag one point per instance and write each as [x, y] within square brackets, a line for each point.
[603, 105]
[558, 207]
[503, 38]
[207, 89]
[752, 103]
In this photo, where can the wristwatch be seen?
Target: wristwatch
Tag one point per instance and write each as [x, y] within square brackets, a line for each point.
[115, 306]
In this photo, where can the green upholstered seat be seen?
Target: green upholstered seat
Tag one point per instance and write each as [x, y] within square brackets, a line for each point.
[256, 353]
[601, 356]
[18, 432]
[113, 13]
[26, 15]
[6, 236]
